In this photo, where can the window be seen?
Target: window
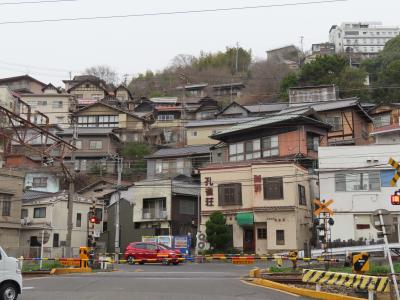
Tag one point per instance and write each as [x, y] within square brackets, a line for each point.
[253, 149]
[78, 144]
[6, 212]
[78, 220]
[165, 117]
[367, 181]
[186, 207]
[270, 146]
[39, 212]
[97, 96]
[95, 145]
[381, 120]
[236, 152]
[273, 188]
[302, 195]
[363, 226]
[39, 182]
[230, 194]
[194, 133]
[312, 142]
[79, 96]
[24, 213]
[42, 103]
[56, 240]
[98, 121]
[335, 122]
[151, 247]
[262, 233]
[57, 104]
[60, 120]
[386, 177]
[99, 214]
[280, 237]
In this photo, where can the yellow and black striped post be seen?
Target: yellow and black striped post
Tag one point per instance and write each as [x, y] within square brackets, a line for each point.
[356, 281]
[396, 176]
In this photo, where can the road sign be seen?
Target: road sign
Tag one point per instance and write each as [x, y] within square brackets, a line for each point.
[322, 207]
[360, 262]
[396, 176]
[387, 220]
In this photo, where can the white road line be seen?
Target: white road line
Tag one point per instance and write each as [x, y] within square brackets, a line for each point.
[270, 288]
[28, 288]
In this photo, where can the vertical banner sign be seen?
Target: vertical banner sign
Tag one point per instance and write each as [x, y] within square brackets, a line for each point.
[209, 192]
[257, 183]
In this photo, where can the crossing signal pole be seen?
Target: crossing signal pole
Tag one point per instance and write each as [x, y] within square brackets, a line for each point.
[323, 222]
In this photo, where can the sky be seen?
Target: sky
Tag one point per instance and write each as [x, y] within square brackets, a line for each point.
[50, 51]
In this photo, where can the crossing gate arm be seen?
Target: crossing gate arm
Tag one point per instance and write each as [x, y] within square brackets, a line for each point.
[355, 281]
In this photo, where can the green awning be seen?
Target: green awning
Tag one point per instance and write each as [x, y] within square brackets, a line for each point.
[245, 219]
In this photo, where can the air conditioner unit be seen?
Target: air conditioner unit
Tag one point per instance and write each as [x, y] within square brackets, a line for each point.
[146, 216]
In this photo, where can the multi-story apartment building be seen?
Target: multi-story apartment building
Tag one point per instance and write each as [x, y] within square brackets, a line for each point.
[266, 205]
[53, 103]
[365, 38]
[357, 179]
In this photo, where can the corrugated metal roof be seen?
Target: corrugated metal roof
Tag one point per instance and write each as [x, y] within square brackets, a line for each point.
[226, 121]
[266, 107]
[277, 118]
[185, 151]
[323, 106]
[185, 188]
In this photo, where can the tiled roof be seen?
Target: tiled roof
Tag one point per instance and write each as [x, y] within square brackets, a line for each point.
[323, 106]
[184, 151]
[225, 121]
[277, 118]
[272, 107]
[33, 195]
[185, 188]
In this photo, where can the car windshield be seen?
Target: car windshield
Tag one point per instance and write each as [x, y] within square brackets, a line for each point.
[162, 246]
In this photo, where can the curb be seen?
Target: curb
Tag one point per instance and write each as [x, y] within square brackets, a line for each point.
[61, 271]
[301, 291]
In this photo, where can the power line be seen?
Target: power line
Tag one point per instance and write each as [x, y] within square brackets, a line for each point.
[35, 2]
[169, 13]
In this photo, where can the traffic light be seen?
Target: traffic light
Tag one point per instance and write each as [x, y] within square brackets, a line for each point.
[395, 199]
[93, 219]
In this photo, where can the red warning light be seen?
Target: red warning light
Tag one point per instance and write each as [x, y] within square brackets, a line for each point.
[395, 199]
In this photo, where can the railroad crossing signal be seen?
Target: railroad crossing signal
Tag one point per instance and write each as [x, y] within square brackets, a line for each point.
[395, 198]
[396, 176]
[322, 207]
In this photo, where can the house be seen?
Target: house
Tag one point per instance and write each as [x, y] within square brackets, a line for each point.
[200, 108]
[128, 126]
[169, 163]
[236, 110]
[53, 103]
[287, 55]
[168, 120]
[313, 94]
[193, 90]
[320, 49]
[198, 132]
[228, 89]
[94, 147]
[23, 84]
[385, 128]
[45, 212]
[357, 179]
[267, 205]
[42, 181]
[11, 186]
[291, 137]
[7, 98]
[347, 117]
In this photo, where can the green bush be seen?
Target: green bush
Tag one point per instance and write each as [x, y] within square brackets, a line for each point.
[47, 266]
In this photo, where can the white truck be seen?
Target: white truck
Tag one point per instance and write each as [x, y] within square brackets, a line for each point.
[10, 277]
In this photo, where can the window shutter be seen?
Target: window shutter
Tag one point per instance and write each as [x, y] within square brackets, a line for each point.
[221, 195]
[238, 193]
[340, 182]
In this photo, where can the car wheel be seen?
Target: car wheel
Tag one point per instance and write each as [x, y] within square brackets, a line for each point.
[9, 292]
[131, 260]
[175, 263]
[141, 262]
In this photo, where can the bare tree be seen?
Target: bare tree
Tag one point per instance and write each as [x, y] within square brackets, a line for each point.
[104, 72]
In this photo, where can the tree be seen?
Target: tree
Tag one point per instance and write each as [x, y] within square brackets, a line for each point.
[290, 80]
[104, 72]
[134, 153]
[217, 231]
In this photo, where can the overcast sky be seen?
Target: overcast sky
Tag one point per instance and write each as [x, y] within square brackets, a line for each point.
[48, 51]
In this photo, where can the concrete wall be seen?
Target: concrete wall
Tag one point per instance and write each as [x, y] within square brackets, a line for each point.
[200, 135]
[53, 182]
[88, 91]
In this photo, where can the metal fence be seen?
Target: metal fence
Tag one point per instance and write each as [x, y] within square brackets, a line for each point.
[34, 252]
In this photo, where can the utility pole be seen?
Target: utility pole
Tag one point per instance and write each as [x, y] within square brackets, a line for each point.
[237, 57]
[117, 225]
[71, 193]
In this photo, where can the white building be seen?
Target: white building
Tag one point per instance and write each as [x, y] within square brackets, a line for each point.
[367, 38]
[357, 179]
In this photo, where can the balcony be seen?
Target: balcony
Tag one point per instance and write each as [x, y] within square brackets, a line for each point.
[151, 214]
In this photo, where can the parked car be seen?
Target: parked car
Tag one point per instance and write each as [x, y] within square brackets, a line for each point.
[151, 252]
[10, 277]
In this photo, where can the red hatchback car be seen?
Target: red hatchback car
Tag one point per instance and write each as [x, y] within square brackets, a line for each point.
[151, 252]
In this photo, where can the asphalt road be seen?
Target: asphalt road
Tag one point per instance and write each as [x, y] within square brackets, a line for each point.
[152, 282]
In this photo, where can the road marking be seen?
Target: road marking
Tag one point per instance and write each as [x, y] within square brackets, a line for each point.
[28, 288]
[252, 284]
[138, 270]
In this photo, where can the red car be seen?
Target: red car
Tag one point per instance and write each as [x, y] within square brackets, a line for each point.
[142, 252]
